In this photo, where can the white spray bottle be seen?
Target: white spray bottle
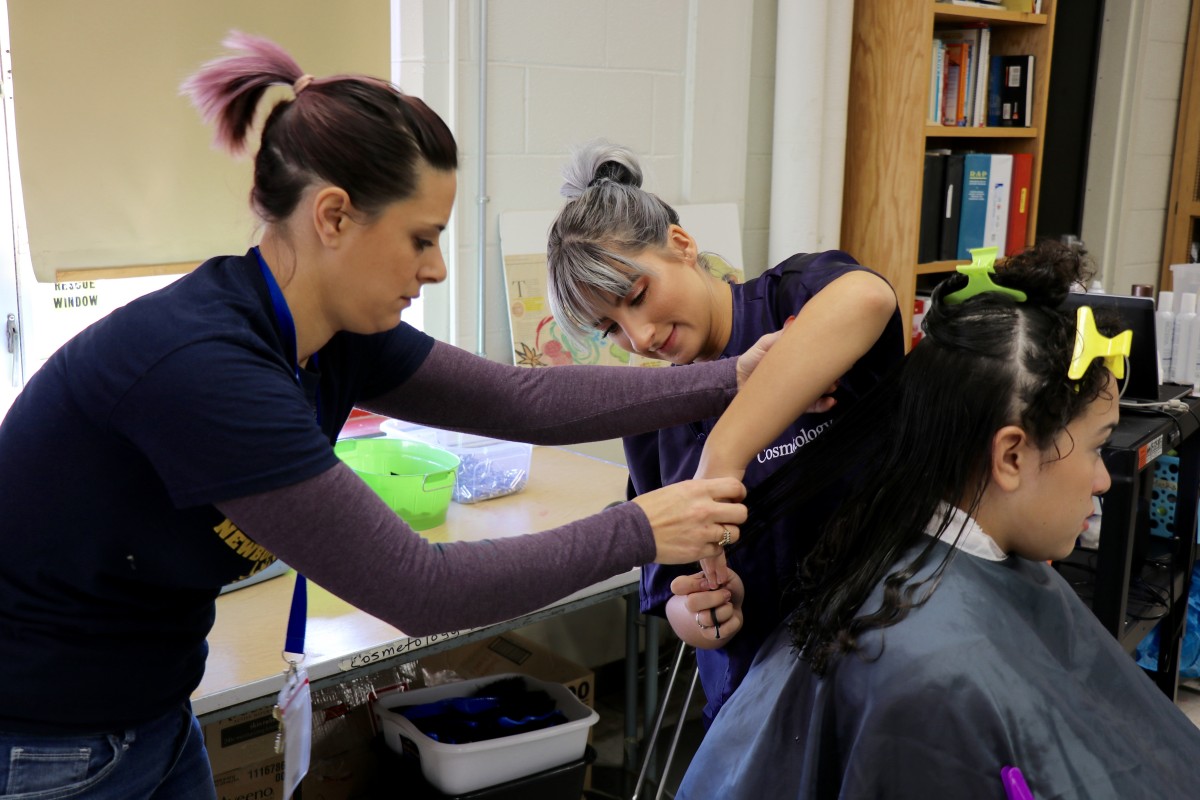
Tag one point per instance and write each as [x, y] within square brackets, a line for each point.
[1164, 332]
[1183, 353]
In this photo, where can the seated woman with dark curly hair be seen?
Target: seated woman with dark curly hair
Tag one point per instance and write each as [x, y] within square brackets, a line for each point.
[933, 649]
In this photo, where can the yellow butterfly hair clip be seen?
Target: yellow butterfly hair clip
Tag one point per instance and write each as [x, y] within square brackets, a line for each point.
[1091, 344]
[979, 278]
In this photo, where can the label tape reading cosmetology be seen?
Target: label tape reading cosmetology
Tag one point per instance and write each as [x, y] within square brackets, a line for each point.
[397, 648]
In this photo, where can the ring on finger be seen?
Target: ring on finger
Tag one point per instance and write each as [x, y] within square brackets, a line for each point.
[701, 625]
[726, 538]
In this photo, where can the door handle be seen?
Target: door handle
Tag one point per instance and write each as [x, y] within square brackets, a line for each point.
[11, 334]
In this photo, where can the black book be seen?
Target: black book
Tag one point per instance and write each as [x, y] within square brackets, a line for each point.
[931, 208]
[951, 199]
[1016, 91]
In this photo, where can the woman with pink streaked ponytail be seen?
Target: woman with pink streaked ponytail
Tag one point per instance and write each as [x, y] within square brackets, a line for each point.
[194, 427]
[352, 131]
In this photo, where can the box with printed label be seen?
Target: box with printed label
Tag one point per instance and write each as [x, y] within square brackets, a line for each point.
[247, 738]
[261, 779]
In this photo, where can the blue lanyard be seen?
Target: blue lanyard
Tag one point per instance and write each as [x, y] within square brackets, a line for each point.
[298, 616]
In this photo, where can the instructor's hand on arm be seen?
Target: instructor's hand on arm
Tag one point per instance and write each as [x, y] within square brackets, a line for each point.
[693, 519]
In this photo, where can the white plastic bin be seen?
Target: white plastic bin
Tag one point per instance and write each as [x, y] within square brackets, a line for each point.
[460, 768]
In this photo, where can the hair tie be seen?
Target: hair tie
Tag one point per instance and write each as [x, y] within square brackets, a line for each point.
[597, 180]
[301, 83]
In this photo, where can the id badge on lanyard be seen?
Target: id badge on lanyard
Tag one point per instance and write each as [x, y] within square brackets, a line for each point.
[293, 707]
[293, 712]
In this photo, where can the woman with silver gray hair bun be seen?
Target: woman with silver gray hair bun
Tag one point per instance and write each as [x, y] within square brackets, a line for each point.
[621, 267]
[596, 161]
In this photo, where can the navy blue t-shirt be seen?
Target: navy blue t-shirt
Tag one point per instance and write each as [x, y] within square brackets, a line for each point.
[113, 456]
[766, 565]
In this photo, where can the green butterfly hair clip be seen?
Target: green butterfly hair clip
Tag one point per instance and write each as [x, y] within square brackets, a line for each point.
[979, 278]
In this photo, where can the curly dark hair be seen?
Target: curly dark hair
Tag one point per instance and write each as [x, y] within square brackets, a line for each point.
[922, 438]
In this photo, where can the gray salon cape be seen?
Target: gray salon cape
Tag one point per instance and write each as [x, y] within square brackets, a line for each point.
[1003, 666]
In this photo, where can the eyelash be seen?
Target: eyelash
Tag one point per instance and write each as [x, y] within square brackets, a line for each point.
[423, 244]
[637, 300]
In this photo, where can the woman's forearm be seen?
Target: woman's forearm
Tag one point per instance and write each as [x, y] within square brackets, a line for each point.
[561, 405]
[336, 531]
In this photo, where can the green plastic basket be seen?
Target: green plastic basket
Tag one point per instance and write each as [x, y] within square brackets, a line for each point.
[415, 479]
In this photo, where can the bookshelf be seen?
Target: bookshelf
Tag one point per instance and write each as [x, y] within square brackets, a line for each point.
[888, 132]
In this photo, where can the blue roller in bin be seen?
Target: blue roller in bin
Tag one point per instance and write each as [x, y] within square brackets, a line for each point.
[461, 768]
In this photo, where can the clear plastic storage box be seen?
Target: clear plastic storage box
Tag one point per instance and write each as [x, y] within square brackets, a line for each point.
[489, 467]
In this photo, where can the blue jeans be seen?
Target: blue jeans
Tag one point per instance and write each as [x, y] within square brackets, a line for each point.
[163, 759]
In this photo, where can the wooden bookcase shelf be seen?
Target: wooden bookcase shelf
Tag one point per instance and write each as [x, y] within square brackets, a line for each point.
[936, 267]
[947, 132]
[943, 13]
[888, 133]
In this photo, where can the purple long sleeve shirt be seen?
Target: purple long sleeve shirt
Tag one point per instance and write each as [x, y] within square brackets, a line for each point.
[379, 564]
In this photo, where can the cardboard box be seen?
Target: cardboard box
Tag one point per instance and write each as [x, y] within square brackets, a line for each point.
[241, 749]
[240, 741]
[511, 652]
[344, 763]
[259, 780]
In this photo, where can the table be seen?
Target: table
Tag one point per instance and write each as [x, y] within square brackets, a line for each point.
[245, 671]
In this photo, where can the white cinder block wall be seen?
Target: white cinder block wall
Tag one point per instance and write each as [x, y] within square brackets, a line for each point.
[670, 78]
[1133, 139]
[757, 213]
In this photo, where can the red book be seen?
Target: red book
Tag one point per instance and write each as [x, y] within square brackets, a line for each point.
[1018, 203]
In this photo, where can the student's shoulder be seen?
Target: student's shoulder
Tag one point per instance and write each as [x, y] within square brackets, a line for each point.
[808, 273]
[795, 280]
[820, 260]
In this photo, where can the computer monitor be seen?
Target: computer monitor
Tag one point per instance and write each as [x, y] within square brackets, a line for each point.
[1141, 382]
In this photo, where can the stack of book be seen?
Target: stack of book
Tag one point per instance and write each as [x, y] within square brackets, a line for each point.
[970, 87]
[974, 200]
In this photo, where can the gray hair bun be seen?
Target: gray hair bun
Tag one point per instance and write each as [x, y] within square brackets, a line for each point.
[598, 161]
